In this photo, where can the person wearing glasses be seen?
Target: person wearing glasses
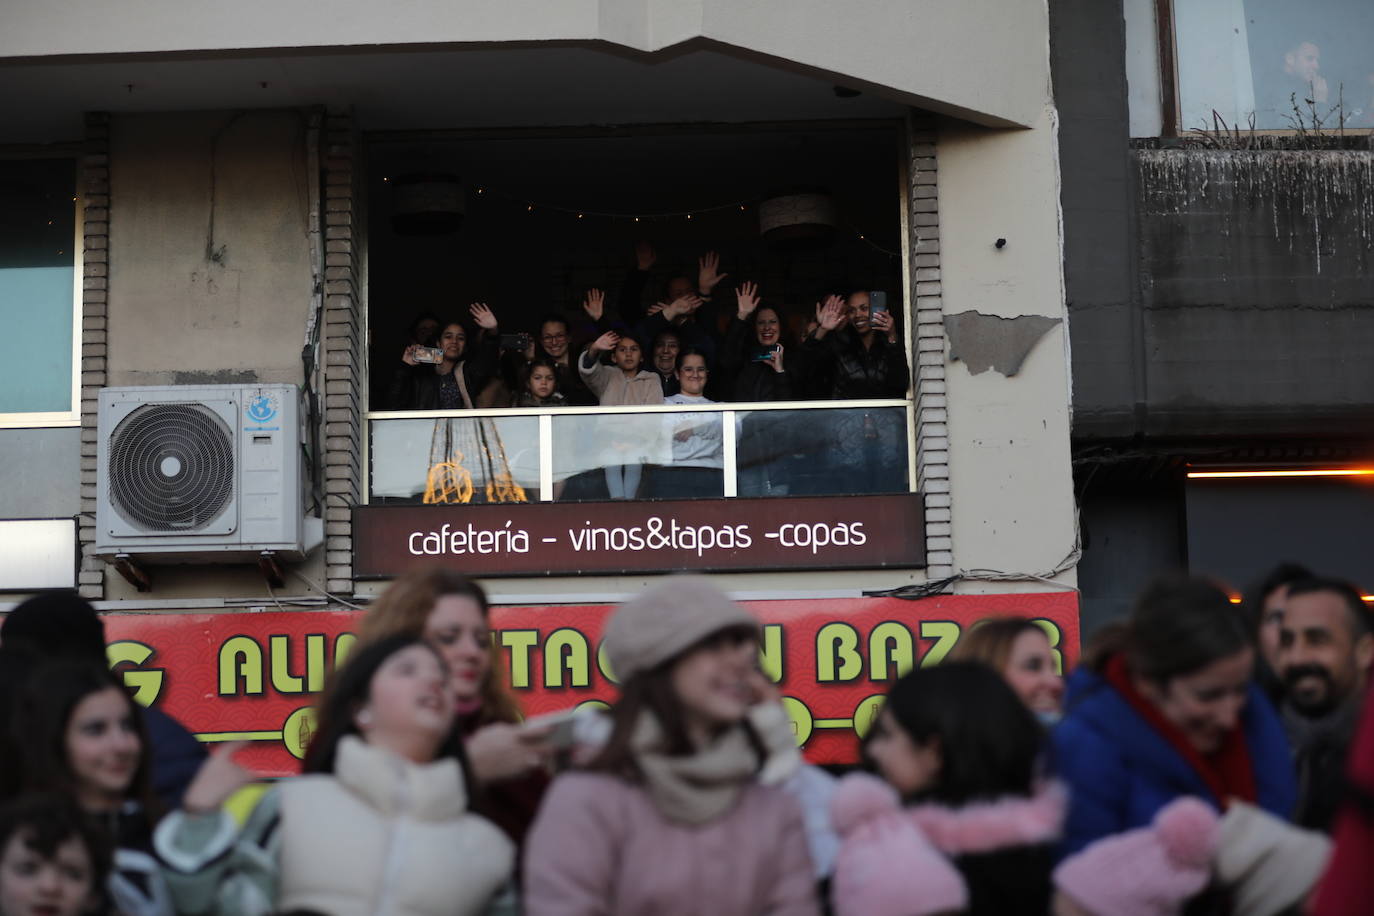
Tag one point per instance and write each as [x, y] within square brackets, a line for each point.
[554, 343]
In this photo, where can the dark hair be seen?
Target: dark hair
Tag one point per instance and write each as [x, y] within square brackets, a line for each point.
[1181, 624]
[420, 319]
[50, 696]
[1281, 576]
[666, 332]
[348, 691]
[1361, 621]
[690, 351]
[990, 743]
[555, 317]
[45, 821]
[57, 623]
[652, 691]
[537, 363]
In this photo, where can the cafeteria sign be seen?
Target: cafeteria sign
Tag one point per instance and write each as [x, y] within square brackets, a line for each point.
[255, 676]
[856, 532]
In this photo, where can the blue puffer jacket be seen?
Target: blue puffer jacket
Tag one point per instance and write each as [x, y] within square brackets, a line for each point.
[1120, 771]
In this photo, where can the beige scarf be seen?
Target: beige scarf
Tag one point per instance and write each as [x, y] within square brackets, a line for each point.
[698, 788]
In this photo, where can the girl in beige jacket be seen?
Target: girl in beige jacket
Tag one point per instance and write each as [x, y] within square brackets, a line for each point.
[378, 823]
[630, 441]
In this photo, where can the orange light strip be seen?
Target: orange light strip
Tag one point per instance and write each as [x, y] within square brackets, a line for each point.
[1236, 599]
[1324, 472]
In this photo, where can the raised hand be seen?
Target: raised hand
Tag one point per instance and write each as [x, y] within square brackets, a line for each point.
[829, 316]
[708, 272]
[656, 308]
[645, 256]
[685, 305]
[747, 295]
[218, 778]
[503, 751]
[484, 316]
[408, 357]
[606, 342]
[776, 359]
[594, 304]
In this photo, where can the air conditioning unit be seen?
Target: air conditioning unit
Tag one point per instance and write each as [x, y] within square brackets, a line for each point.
[202, 474]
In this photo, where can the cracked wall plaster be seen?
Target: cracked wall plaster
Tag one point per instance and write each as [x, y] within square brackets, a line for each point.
[986, 342]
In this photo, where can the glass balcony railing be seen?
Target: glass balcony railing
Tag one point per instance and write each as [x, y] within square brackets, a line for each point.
[821, 448]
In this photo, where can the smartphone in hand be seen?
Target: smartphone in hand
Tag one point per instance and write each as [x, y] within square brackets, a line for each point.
[427, 355]
[877, 302]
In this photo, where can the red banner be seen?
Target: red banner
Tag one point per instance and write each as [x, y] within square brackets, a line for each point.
[254, 676]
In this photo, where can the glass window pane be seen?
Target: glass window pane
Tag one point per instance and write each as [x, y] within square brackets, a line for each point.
[1266, 57]
[455, 460]
[822, 452]
[638, 456]
[37, 265]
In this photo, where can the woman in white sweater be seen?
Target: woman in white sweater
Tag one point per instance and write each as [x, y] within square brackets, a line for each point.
[378, 823]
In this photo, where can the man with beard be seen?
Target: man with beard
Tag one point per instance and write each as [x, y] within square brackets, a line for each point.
[1326, 645]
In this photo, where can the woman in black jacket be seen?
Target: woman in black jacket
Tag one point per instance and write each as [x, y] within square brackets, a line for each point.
[458, 378]
[759, 366]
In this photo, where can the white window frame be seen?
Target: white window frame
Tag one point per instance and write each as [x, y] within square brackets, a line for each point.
[62, 418]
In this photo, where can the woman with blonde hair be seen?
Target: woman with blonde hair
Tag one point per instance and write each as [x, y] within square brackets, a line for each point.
[1020, 651]
[451, 612]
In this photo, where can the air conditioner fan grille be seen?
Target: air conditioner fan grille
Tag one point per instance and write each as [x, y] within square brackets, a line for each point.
[171, 467]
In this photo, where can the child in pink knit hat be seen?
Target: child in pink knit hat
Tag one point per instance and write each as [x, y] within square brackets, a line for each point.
[1152, 871]
[886, 866]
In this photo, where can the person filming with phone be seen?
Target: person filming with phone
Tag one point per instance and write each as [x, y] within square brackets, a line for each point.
[452, 375]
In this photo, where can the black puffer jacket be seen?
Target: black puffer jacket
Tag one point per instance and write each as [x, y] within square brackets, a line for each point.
[752, 380]
[417, 387]
[853, 371]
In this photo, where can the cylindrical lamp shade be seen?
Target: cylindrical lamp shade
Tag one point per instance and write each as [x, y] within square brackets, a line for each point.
[427, 204]
[802, 220]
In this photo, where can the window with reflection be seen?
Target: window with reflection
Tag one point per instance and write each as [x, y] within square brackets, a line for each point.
[1286, 64]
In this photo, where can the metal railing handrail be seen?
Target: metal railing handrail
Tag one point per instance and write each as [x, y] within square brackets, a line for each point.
[718, 407]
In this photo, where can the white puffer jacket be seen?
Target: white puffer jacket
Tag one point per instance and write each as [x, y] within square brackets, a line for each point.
[380, 835]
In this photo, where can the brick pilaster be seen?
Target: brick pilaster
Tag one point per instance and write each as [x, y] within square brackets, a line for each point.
[94, 193]
[932, 431]
[343, 347]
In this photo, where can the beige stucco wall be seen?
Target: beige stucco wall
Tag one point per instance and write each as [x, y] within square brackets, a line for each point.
[1011, 480]
[179, 317]
[209, 258]
[985, 60]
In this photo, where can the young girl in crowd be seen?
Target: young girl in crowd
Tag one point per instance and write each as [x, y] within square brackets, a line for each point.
[1020, 651]
[1164, 707]
[695, 447]
[451, 613]
[670, 816]
[84, 739]
[960, 758]
[378, 823]
[541, 386]
[624, 382]
[53, 861]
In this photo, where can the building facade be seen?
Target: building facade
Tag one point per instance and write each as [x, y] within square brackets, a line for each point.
[219, 203]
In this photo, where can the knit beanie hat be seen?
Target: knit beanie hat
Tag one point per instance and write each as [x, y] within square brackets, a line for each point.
[1152, 871]
[1268, 864]
[886, 866]
[665, 620]
[56, 623]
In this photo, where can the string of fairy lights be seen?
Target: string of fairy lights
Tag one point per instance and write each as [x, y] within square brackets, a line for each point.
[743, 205]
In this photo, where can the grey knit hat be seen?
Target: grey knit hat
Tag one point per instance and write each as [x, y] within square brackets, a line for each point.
[666, 619]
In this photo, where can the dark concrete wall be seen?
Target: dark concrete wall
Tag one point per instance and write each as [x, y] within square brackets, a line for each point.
[1088, 66]
[1256, 292]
